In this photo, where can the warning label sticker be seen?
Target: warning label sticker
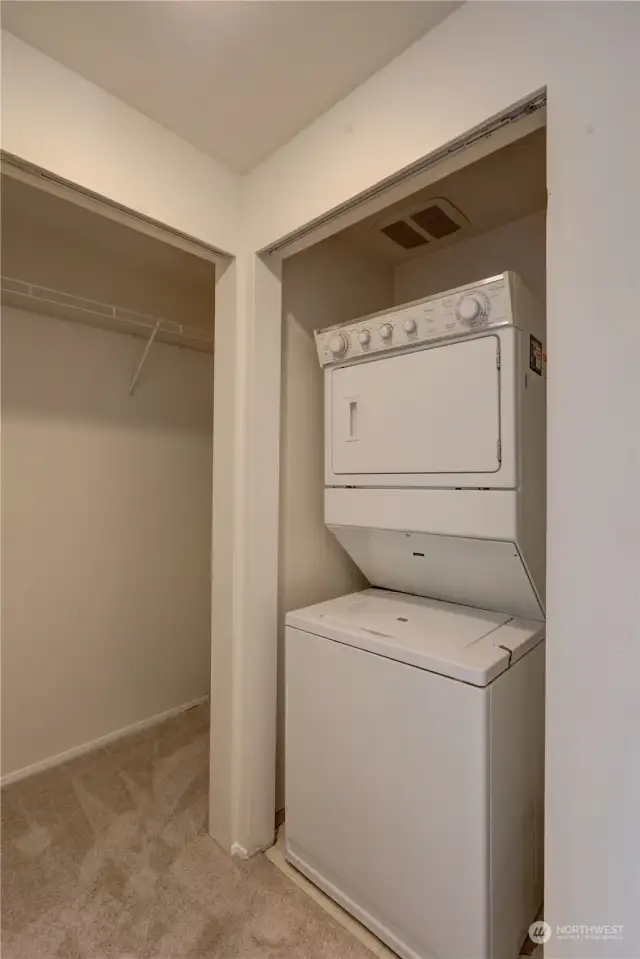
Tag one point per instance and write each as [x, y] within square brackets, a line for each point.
[535, 355]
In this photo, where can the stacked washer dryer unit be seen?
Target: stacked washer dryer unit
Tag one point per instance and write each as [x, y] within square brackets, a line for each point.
[415, 709]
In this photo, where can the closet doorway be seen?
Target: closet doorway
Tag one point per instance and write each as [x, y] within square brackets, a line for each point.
[107, 423]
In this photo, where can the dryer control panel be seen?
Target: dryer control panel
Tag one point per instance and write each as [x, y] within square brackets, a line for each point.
[461, 312]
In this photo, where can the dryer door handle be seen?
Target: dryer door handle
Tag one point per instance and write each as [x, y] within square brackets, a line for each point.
[353, 419]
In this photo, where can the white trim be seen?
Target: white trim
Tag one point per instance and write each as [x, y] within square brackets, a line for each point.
[489, 135]
[239, 851]
[83, 748]
[244, 613]
[378, 199]
[49, 182]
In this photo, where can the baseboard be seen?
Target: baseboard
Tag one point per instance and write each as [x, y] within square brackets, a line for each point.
[83, 748]
[239, 851]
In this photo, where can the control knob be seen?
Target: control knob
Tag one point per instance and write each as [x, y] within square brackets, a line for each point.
[472, 309]
[409, 325]
[386, 331]
[339, 344]
[364, 337]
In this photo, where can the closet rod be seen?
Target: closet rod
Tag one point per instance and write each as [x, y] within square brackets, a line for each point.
[24, 294]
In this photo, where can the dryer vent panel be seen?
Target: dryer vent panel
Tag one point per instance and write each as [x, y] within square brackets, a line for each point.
[404, 235]
[438, 220]
[435, 221]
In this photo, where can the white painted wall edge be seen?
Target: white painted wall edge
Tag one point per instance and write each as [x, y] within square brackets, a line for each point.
[56, 120]
[88, 747]
[244, 609]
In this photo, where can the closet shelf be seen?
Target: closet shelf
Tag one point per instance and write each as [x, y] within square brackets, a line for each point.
[68, 306]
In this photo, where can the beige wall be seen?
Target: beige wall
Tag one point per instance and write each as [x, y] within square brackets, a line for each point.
[329, 283]
[106, 533]
[57, 120]
[518, 246]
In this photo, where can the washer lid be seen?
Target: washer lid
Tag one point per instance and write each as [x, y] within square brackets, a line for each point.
[461, 642]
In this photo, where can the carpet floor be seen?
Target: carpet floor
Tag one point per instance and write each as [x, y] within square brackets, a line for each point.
[108, 857]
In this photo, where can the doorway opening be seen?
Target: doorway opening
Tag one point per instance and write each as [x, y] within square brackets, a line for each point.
[107, 386]
[474, 221]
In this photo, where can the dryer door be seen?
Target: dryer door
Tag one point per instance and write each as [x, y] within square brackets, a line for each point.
[433, 411]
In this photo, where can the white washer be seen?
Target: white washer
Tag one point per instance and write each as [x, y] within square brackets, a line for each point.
[415, 769]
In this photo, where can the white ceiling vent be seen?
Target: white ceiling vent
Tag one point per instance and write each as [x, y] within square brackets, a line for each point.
[425, 224]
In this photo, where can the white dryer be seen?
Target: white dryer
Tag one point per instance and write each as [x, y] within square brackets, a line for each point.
[436, 428]
[415, 712]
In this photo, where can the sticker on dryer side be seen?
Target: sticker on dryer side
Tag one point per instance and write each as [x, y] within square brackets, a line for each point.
[535, 355]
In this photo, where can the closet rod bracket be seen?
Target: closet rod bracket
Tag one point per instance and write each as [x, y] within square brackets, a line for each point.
[143, 358]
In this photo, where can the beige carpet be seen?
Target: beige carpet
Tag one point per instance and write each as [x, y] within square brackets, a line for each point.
[108, 857]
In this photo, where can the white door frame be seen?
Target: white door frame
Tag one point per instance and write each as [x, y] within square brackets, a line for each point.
[19, 169]
[246, 476]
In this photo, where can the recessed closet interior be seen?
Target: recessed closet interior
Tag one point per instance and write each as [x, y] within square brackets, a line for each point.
[483, 217]
[106, 475]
